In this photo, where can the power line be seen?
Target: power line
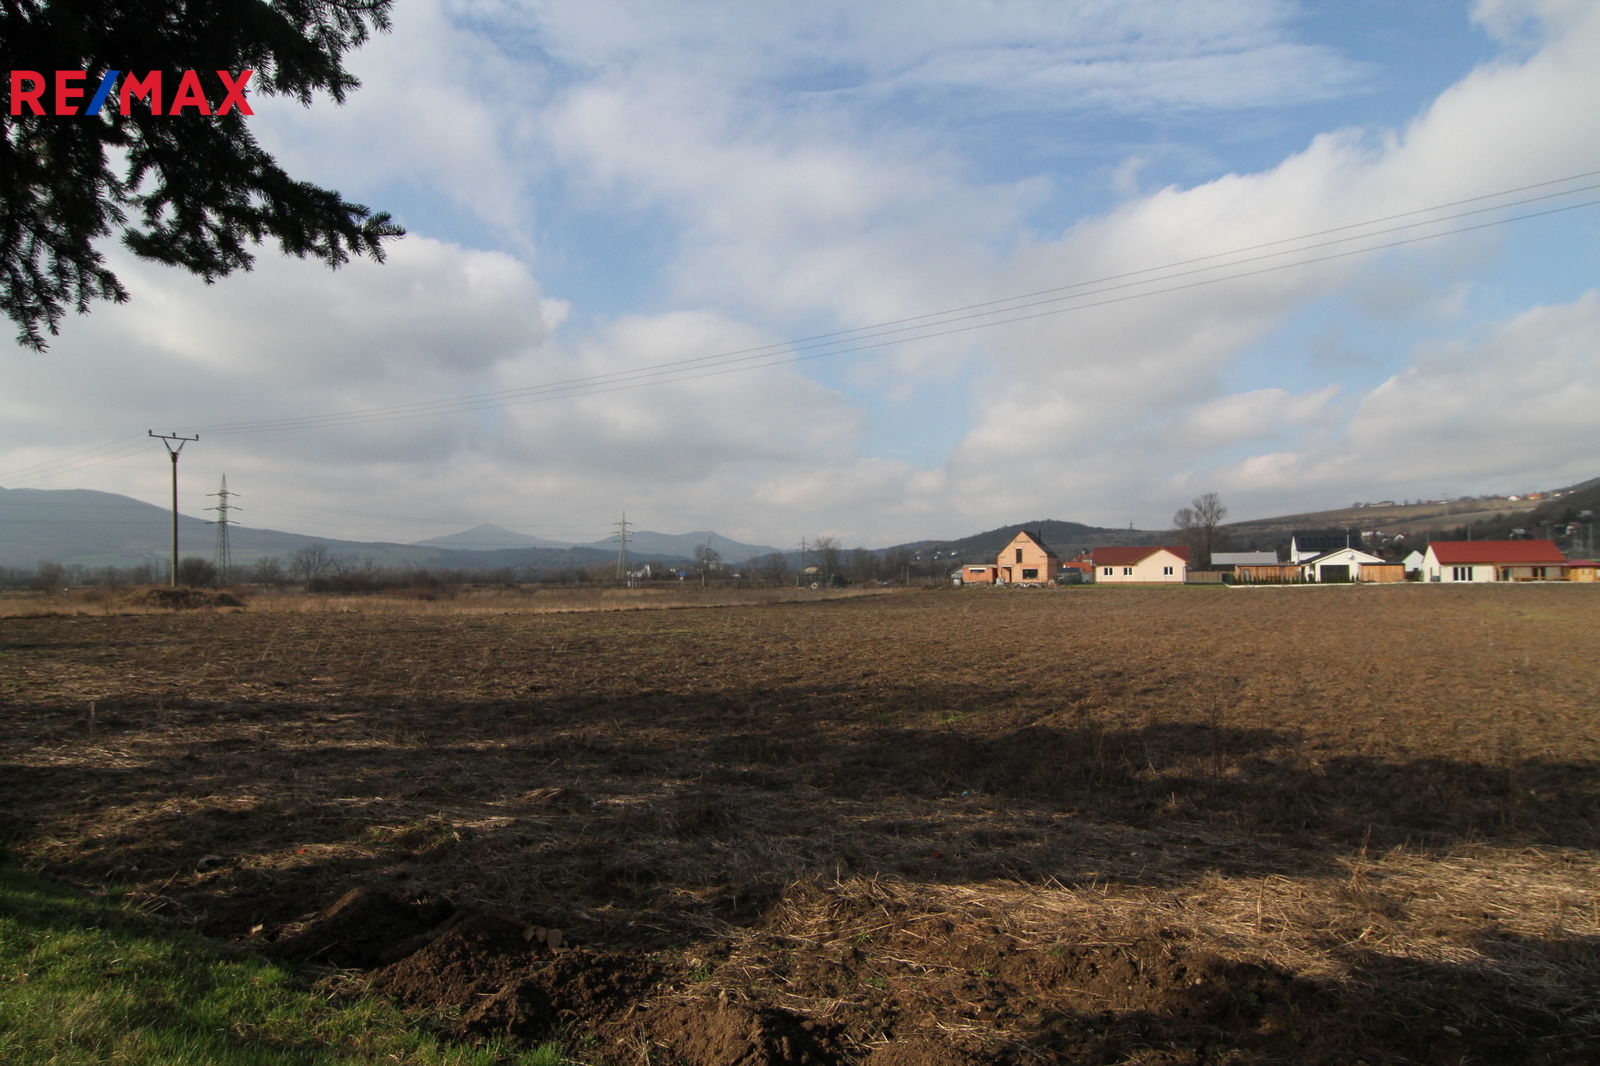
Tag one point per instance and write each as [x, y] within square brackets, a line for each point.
[120, 448]
[956, 320]
[1076, 296]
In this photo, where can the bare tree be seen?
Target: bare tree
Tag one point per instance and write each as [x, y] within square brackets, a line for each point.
[51, 577]
[1199, 527]
[706, 560]
[773, 569]
[268, 571]
[310, 562]
[827, 550]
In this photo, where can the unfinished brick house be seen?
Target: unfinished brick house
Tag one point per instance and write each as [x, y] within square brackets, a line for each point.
[1026, 560]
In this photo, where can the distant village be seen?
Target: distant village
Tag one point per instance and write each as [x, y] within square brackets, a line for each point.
[1313, 557]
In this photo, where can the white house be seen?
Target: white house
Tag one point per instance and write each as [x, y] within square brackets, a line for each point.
[1141, 565]
[1493, 560]
[1342, 564]
[1304, 547]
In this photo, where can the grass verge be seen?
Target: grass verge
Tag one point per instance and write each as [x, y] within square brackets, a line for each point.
[87, 981]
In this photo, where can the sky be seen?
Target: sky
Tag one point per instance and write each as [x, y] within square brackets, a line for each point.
[882, 272]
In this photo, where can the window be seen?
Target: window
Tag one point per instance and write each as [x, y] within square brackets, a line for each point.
[1127, 571]
[1167, 571]
[1461, 573]
[1019, 556]
[1030, 575]
[1109, 571]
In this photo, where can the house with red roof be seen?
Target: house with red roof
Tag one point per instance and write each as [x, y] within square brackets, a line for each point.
[1145, 564]
[1493, 560]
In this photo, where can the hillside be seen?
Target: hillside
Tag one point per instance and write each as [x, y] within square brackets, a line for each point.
[83, 527]
[489, 537]
[1065, 538]
[1487, 517]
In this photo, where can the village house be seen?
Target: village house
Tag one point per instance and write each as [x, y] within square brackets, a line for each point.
[1026, 560]
[1348, 564]
[1307, 545]
[1493, 560]
[1141, 565]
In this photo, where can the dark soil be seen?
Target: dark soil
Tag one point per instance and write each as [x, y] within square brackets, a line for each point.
[1220, 827]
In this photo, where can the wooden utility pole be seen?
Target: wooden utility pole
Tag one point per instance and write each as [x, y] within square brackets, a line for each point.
[167, 439]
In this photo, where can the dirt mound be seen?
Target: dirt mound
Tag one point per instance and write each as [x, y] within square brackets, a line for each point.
[918, 1053]
[574, 987]
[711, 1034]
[505, 978]
[181, 599]
[477, 955]
[363, 929]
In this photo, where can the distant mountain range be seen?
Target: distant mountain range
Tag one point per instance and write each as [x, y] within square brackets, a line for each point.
[89, 528]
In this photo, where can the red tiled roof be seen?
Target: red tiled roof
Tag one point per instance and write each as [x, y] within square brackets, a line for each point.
[1131, 556]
[1458, 552]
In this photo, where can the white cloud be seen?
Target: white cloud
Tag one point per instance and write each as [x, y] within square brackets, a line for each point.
[1251, 415]
[797, 170]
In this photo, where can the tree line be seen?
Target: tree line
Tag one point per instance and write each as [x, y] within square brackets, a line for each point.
[316, 567]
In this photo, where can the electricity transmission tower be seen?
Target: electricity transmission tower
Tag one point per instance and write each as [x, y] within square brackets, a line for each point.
[224, 558]
[167, 439]
[622, 550]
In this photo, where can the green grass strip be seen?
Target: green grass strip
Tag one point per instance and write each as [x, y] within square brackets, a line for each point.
[83, 981]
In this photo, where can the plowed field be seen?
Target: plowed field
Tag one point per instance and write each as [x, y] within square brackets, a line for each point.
[1311, 825]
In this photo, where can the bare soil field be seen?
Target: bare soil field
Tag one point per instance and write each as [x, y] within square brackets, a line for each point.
[1175, 826]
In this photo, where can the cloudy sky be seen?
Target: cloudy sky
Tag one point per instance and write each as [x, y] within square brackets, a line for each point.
[884, 271]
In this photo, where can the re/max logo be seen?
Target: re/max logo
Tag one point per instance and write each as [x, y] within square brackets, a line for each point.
[28, 89]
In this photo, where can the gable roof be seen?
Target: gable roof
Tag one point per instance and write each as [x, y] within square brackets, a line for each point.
[1131, 556]
[1457, 552]
[1323, 540]
[1037, 539]
[1356, 555]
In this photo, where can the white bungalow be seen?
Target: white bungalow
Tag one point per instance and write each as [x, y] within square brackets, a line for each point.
[1142, 565]
[1342, 564]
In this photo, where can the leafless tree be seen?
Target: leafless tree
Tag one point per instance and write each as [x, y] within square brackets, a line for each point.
[773, 569]
[707, 560]
[827, 551]
[310, 562]
[1199, 527]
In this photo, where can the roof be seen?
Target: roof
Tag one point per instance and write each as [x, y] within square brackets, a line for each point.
[1243, 558]
[1037, 539]
[1324, 540]
[1457, 552]
[1130, 556]
[1355, 554]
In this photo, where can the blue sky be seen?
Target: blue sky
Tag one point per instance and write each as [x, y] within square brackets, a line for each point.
[597, 189]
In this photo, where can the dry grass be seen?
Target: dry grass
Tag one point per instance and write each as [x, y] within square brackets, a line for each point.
[467, 600]
[907, 814]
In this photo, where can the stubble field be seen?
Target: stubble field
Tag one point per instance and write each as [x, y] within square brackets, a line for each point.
[950, 827]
